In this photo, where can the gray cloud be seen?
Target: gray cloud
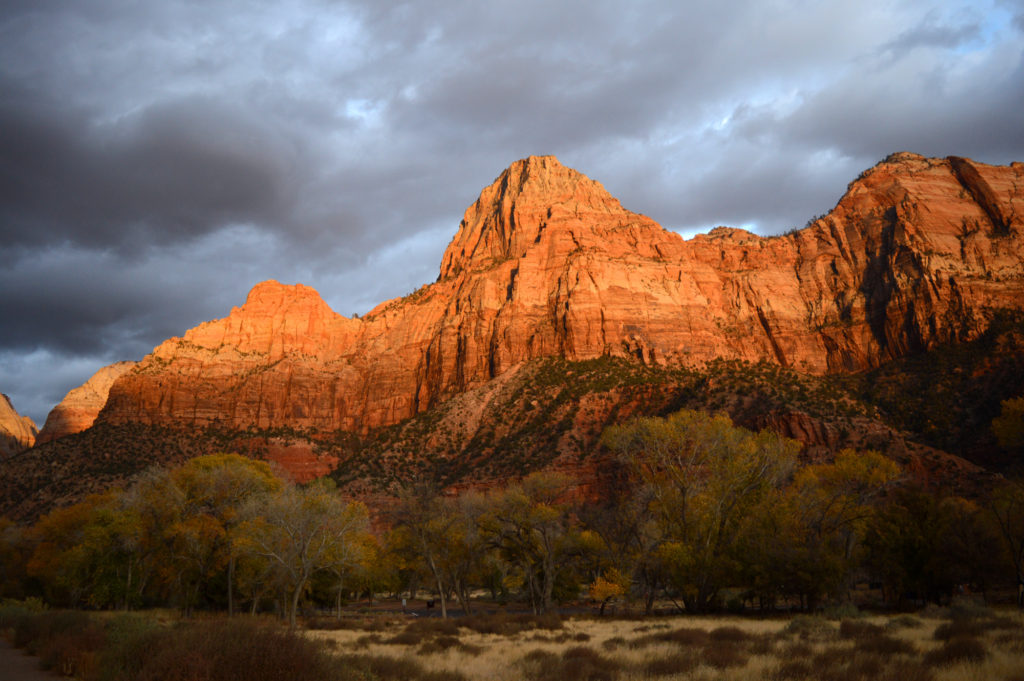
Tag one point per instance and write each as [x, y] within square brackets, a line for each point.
[157, 160]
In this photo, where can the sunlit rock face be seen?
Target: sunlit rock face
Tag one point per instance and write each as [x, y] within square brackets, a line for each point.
[17, 432]
[918, 252]
[80, 407]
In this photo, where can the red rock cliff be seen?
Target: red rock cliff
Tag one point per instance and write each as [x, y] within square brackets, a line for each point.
[918, 252]
[17, 432]
[80, 407]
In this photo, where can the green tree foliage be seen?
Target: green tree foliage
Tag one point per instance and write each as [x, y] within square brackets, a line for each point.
[1006, 506]
[195, 512]
[84, 554]
[530, 526]
[924, 546]
[1008, 427]
[301, 531]
[706, 476]
[14, 555]
[441, 534]
[802, 540]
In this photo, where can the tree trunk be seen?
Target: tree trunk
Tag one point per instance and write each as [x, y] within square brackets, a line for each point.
[295, 605]
[231, 587]
[444, 601]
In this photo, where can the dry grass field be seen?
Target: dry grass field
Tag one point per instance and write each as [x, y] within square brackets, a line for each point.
[939, 646]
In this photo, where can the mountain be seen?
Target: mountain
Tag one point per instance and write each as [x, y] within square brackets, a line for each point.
[919, 252]
[557, 311]
[17, 432]
[80, 407]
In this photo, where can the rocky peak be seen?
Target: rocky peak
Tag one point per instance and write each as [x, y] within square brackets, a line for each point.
[276, 319]
[80, 407]
[530, 196]
[17, 432]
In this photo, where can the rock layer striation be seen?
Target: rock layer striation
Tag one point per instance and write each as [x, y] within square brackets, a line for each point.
[918, 252]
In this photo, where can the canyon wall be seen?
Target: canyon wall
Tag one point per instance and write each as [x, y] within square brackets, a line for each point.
[918, 252]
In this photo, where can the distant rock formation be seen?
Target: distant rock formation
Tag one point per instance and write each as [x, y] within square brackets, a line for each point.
[80, 407]
[918, 252]
[17, 432]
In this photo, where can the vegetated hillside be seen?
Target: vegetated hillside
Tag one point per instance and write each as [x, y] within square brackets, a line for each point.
[549, 414]
[557, 312]
[948, 397]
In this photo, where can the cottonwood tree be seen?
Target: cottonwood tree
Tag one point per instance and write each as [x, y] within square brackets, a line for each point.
[85, 553]
[301, 531]
[530, 525]
[195, 511]
[705, 475]
[441, 534]
[1006, 506]
[215, 489]
[801, 540]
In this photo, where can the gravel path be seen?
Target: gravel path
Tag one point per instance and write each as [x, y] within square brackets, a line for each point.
[17, 666]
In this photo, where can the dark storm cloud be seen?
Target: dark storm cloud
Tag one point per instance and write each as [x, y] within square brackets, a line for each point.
[158, 159]
[171, 172]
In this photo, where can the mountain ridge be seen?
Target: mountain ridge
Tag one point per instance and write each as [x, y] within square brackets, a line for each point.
[546, 263]
[918, 254]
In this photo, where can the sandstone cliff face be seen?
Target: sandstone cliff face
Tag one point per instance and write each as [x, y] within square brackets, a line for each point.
[79, 408]
[17, 432]
[918, 252]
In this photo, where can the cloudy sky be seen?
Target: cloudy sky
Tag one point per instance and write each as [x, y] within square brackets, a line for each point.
[159, 158]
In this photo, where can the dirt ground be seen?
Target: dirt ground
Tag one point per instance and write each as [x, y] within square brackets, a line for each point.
[17, 666]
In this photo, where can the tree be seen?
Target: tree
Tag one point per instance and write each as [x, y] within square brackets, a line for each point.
[630, 539]
[1006, 506]
[428, 531]
[924, 546]
[215, 489]
[827, 508]
[530, 525]
[704, 475]
[85, 553]
[1008, 427]
[301, 531]
[194, 512]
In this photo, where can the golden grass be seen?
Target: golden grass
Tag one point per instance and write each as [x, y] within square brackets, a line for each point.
[644, 649]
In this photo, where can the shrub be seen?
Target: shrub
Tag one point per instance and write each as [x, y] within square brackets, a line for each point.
[958, 628]
[733, 634]
[807, 626]
[851, 629]
[967, 608]
[507, 625]
[575, 664]
[72, 652]
[613, 643]
[347, 623]
[443, 643]
[723, 654]
[381, 667]
[885, 646]
[842, 611]
[33, 630]
[904, 622]
[956, 650]
[434, 626]
[676, 663]
[236, 649]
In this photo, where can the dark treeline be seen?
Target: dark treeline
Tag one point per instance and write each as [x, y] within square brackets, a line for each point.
[702, 514]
